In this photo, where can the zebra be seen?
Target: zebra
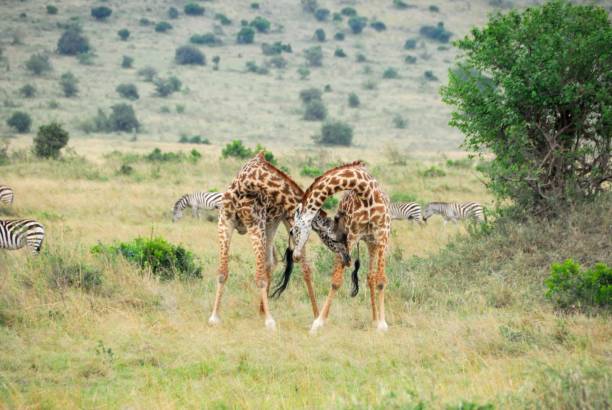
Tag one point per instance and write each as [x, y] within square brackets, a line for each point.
[406, 210]
[6, 195]
[197, 201]
[17, 233]
[453, 211]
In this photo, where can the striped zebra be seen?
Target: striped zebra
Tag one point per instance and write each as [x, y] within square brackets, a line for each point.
[406, 210]
[6, 195]
[453, 211]
[196, 201]
[17, 233]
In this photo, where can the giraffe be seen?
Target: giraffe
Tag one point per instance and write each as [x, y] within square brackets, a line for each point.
[363, 215]
[259, 198]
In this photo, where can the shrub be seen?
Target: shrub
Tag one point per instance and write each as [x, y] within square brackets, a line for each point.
[390, 73]
[163, 26]
[223, 19]
[208, 39]
[275, 48]
[101, 13]
[123, 118]
[165, 87]
[571, 287]
[69, 84]
[196, 139]
[236, 149]
[173, 13]
[314, 56]
[430, 76]
[278, 62]
[437, 33]
[246, 35]
[21, 121]
[123, 34]
[310, 6]
[370, 85]
[410, 44]
[321, 14]
[303, 72]
[38, 64]
[399, 121]
[337, 17]
[339, 36]
[336, 133]
[339, 53]
[156, 155]
[310, 94]
[378, 25]
[127, 61]
[312, 172]
[357, 24]
[361, 58]
[400, 4]
[62, 274]
[193, 9]
[315, 111]
[27, 91]
[434, 9]
[86, 58]
[189, 55]
[148, 73]
[252, 67]
[145, 22]
[460, 163]
[410, 59]
[128, 91]
[261, 24]
[319, 34]
[348, 11]
[49, 140]
[353, 100]
[432, 172]
[330, 203]
[72, 42]
[51, 9]
[160, 257]
[255, 6]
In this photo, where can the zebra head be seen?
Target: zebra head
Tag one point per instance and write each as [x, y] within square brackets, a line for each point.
[428, 212]
[176, 214]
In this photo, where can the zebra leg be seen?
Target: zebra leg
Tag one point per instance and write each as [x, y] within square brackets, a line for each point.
[371, 279]
[225, 230]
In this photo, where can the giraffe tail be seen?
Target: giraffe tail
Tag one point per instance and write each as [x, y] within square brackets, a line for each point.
[282, 284]
[354, 276]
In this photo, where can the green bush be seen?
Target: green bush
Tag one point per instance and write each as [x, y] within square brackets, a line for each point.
[348, 11]
[357, 24]
[86, 58]
[410, 44]
[261, 24]
[236, 149]
[437, 33]
[62, 274]
[460, 163]
[335, 133]
[27, 91]
[123, 118]
[315, 111]
[246, 35]
[49, 140]
[72, 42]
[434, 9]
[399, 121]
[123, 34]
[20, 121]
[410, 59]
[400, 4]
[189, 55]
[38, 64]
[278, 62]
[337, 17]
[321, 14]
[430, 76]
[571, 287]
[158, 156]
[173, 13]
[148, 73]
[339, 53]
[255, 6]
[101, 13]
[196, 139]
[160, 257]
[163, 26]
[51, 9]
[432, 172]
[145, 22]
[69, 84]
[223, 19]
[361, 58]
[310, 6]
[127, 61]
[252, 67]
[378, 25]
[208, 39]
[314, 56]
[129, 91]
[353, 100]
[308, 171]
[390, 73]
[303, 72]
[165, 87]
[319, 34]
[275, 48]
[330, 203]
[310, 94]
[339, 36]
[193, 9]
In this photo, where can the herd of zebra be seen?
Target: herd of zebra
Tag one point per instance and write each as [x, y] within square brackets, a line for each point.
[450, 211]
[17, 233]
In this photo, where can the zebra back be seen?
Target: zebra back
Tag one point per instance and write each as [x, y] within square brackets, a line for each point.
[197, 200]
[405, 210]
[17, 233]
[453, 211]
[6, 195]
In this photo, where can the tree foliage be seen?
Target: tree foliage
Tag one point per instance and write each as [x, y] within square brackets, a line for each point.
[535, 89]
[49, 140]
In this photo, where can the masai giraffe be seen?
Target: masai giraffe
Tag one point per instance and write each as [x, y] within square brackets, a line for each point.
[363, 215]
[258, 199]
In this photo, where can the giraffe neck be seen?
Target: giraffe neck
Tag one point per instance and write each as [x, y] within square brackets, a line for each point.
[347, 178]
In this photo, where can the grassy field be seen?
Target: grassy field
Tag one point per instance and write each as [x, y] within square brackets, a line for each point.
[469, 324]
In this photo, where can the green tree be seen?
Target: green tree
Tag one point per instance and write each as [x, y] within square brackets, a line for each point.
[69, 84]
[49, 140]
[535, 89]
[21, 121]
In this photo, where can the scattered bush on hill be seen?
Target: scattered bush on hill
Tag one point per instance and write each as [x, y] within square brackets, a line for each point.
[123, 34]
[315, 110]
[127, 61]
[129, 91]
[163, 26]
[357, 24]
[69, 84]
[20, 121]
[27, 91]
[173, 13]
[38, 64]
[246, 35]
[437, 33]
[72, 42]
[49, 140]
[165, 87]
[148, 73]
[193, 9]
[261, 24]
[321, 14]
[208, 39]
[101, 13]
[335, 133]
[319, 34]
[353, 100]
[314, 56]
[188, 55]
[51, 10]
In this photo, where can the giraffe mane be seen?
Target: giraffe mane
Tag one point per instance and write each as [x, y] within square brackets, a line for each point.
[284, 176]
[358, 163]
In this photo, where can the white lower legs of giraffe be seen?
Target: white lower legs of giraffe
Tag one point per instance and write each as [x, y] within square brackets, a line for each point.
[270, 323]
[214, 319]
[316, 325]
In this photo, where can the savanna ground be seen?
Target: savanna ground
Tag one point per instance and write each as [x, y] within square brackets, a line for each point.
[468, 322]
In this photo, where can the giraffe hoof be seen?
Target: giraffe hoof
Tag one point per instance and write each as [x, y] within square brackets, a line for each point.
[270, 324]
[214, 320]
[382, 326]
[316, 325]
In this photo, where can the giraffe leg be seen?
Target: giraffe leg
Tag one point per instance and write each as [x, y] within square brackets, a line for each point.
[336, 283]
[307, 270]
[225, 235]
[372, 280]
[270, 260]
[381, 281]
[258, 239]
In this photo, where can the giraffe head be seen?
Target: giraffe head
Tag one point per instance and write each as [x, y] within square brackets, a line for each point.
[331, 236]
[301, 229]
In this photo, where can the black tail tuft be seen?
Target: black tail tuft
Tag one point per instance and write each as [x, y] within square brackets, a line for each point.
[282, 284]
[355, 278]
